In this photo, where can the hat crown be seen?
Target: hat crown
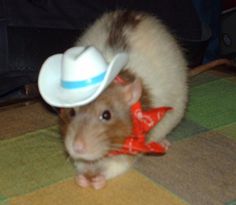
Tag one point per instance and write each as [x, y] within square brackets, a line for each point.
[80, 64]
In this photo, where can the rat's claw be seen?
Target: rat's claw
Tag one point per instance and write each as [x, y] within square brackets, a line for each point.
[98, 182]
[82, 181]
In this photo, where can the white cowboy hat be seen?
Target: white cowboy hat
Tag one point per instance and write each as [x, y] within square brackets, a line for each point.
[78, 76]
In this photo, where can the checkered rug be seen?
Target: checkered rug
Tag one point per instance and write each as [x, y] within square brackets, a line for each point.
[199, 168]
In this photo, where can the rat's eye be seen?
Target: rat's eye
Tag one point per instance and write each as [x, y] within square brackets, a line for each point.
[106, 115]
[72, 112]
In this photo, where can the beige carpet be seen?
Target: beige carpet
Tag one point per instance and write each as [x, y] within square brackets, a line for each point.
[21, 119]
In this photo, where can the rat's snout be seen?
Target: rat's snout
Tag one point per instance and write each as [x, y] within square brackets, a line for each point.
[79, 146]
[86, 145]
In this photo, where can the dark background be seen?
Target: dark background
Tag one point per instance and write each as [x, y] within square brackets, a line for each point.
[32, 30]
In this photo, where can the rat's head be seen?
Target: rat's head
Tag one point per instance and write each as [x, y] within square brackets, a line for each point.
[91, 131]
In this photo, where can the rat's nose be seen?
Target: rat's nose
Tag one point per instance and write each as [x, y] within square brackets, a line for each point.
[79, 146]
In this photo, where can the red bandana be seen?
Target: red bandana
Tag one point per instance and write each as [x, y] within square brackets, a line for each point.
[143, 122]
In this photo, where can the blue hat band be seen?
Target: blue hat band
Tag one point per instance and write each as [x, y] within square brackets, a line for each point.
[83, 83]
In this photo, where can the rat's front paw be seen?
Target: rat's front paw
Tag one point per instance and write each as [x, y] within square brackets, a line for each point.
[165, 143]
[82, 181]
[97, 182]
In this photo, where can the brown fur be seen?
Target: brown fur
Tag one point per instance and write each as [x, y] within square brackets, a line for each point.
[64, 120]
[87, 120]
[129, 77]
[117, 127]
[112, 99]
[121, 21]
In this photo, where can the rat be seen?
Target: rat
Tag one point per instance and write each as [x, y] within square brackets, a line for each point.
[156, 74]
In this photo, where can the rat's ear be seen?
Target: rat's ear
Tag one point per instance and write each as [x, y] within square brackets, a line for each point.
[133, 91]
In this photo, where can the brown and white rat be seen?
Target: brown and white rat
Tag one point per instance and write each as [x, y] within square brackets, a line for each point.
[156, 74]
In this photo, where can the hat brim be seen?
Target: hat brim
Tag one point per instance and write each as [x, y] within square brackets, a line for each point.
[49, 82]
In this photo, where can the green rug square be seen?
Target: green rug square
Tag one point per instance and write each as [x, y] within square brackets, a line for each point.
[4, 203]
[213, 105]
[185, 129]
[202, 79]
[229, 130]
[32, 161]
[231, 202]
[3, 200]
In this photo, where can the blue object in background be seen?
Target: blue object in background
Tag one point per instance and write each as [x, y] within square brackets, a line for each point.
[209, 13]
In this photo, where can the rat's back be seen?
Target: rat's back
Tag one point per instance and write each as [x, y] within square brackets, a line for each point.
[154, 56]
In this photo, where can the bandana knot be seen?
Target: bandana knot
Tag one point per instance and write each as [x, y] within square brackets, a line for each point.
[143, 122]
